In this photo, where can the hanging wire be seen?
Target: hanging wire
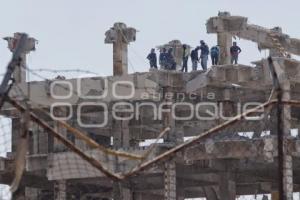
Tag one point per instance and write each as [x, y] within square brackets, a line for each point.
[64, 71]
[137, 55]
[49, 80]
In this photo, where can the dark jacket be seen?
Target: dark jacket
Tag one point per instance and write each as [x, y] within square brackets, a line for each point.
[152, 57]
[235, 50]
[194, 55]
[204, 50]
[170, 61]
[162, 57]
[215, 51]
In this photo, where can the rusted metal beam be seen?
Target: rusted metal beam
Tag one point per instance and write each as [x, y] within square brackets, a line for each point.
[94, 144]
[151, 148]
[95, 163]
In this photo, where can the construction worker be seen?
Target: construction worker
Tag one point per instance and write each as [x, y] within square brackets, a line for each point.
[235, 51]
[185, 58]
[215, 53]
[204, 54]
[171, 64]
[152, 59]
[195, 58]
[163, 58]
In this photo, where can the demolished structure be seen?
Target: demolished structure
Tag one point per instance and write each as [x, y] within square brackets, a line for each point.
[85, 134]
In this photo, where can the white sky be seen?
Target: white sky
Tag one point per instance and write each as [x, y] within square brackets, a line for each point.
[71, 32]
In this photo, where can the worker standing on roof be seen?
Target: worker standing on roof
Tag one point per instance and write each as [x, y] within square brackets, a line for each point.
[185, 58]
[152, 59]
[204, 54]
[215, 53]
[195, 58]
[171, 64]
[163, 58]
[235, 51]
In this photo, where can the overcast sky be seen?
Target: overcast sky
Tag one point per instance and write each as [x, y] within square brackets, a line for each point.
[71, 32]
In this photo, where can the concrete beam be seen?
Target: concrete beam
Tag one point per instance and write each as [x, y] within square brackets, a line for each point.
[238, 26]
[227, 186]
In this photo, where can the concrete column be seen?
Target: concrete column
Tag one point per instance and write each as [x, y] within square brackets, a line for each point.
[225, 42]
[117, 134]
[285, 160]
[127, 194]
[120, 36]
[58, 146]
[287, 157]
[210, 193]
[125, 134]
[20, 72]
[227, 187]
[172, 87]
[288, 177]
[273, 119]
[170, 180]
[180, 193]
[15, 133]
[60, 190]
[168, 120]
[121, 193]
[20, 194]
[121, 134]
[120, 57]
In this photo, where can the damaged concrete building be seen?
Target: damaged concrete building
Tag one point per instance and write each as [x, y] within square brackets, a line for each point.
[204, 152]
